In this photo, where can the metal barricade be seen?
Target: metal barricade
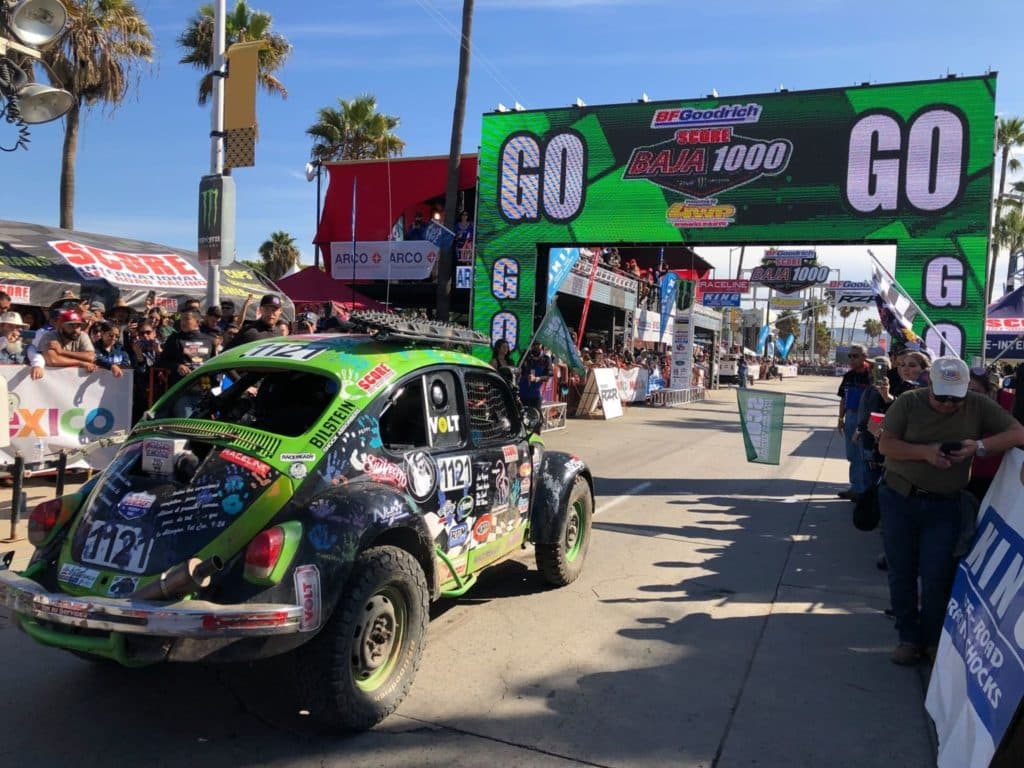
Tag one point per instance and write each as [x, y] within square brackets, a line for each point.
[669, 397]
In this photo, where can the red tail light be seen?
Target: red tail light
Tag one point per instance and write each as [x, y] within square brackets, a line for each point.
[263, 552]
[42, 520]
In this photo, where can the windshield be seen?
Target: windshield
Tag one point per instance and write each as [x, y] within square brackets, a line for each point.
[286, 403]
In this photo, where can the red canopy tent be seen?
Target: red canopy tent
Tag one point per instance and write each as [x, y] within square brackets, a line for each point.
[311, 288]
[386, 190]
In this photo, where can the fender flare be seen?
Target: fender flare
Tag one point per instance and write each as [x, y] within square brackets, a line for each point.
[552, 486]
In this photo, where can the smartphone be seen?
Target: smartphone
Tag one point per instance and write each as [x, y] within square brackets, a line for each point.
[953, 445]
[878, 374]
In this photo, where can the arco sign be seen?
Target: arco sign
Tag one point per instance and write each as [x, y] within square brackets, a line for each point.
[907, 163]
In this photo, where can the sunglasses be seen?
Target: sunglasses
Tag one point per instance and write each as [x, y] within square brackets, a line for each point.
[854, 357]
[948, 398]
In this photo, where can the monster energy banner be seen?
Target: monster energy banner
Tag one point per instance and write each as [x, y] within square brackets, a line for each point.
[216, 219]
[761, 417]
[909, 164]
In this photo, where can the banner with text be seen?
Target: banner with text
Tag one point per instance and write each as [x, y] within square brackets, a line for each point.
[65, 410]
[978, 678]
[761, 417]
[383, 260]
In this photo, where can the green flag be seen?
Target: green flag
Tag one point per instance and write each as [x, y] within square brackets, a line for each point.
[553, 333]
[761, 416]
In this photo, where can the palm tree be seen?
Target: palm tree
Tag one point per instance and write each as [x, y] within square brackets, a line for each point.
[1009, 234]
[444, 268]
[279, 254]
[97, 61]
[844, 312]
[354, 131]
[873, 328]
[242, 25]
[1009, 134]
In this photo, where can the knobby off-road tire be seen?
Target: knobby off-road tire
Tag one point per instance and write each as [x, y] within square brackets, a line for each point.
[359, 668]
[561, 561]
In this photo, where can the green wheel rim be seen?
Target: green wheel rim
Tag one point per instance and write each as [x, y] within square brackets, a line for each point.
[574, 531]
[379, 638]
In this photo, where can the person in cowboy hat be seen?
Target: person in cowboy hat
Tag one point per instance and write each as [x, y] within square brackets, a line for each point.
[12, 350]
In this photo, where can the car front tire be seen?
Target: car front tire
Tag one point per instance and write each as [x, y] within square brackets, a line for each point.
[561, 562]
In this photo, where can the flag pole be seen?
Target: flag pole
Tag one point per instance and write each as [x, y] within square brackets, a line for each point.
[908, 297]
[355, 181]
[586, 301]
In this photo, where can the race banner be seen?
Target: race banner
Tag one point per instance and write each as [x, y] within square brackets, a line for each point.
[850, 293]
[383, 260]
[560, 264]
[761, 417]
[668, 286]
[726, 286]
[978, 678]
[721, 299]
[65, 410]
[784, 302]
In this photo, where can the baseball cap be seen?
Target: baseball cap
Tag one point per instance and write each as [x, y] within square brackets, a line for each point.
[69, 316]
[950, 376]
[214, 310]
[12, 318]
[270, 300]
[97, 306]
[309, 317]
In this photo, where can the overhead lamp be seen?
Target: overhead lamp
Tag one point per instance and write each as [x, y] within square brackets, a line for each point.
[501, 108]
[644, 98]
[518, 107]
[713, 94]
[580, 102]
[312, 170]
[38, 22]
[38, 103]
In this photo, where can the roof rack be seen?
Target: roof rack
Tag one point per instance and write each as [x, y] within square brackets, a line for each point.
[386, 326]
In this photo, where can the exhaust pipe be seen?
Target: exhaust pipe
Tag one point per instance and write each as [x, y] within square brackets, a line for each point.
[181, 580]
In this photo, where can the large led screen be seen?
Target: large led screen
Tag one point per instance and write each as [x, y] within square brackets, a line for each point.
[907, 163]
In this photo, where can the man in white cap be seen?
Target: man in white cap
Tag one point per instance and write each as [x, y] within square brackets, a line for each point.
[12, 349]
[929, 437]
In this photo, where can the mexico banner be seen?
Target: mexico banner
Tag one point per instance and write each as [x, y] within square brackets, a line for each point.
[761, 417]
[65, 410]
[978, 678]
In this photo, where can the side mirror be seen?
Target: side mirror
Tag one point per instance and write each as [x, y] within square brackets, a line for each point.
[532, 420]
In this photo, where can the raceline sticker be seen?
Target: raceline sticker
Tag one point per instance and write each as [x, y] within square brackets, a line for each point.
[77, 575]
[703, 163]
[255, 466]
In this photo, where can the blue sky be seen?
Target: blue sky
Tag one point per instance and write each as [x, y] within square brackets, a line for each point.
[139, 167]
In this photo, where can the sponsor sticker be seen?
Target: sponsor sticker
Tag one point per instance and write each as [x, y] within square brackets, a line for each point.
[422, 474]
[298, 470]
[297, 457]
[77, 575]
[456, 473]
[383, 471]
[123, 586]
[509, 452]
[458, 535]
[307, 594]
[376, 378]
[135, 505]
[482, 529]
[255, 466]
[464, 507]
[442, 425]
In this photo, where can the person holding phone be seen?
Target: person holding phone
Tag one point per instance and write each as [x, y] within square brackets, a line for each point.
[929, 437]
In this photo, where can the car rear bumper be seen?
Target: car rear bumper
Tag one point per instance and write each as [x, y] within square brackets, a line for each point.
[182, 619]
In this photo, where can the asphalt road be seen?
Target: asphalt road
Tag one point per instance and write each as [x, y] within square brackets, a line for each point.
[728, 615]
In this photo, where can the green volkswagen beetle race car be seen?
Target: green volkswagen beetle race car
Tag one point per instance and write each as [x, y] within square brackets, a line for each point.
[307, 495]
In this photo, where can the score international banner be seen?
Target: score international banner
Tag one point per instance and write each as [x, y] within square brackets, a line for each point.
[65, 410]
[761, 417]
[907, 163]
[978, 679]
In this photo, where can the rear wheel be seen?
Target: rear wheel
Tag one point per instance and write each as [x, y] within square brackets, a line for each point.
[560, 562]
[359, 668]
